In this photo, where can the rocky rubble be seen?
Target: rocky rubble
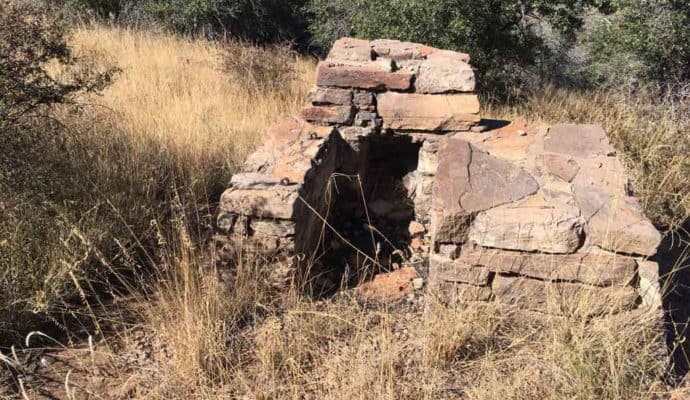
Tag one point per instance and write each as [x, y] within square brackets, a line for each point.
[388, 166]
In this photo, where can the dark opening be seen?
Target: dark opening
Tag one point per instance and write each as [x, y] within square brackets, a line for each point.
[371, 210]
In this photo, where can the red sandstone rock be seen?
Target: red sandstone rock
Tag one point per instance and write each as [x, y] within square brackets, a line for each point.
[471, 180]
[362, 76]
[387, 287]
[425, 112]
[324, 96]
[559, 165]
[351, 49]
[416, 229]
[577, 140]
[328, 114]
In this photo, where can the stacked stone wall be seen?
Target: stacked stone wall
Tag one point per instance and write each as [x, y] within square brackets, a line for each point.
[391, 138]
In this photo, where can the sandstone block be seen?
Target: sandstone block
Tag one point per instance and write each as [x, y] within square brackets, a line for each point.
[449, 227]
[471, 180]
[558, 165]
[577, 140]
[621, 226]
[271, 227]
[254, 180]
[426, 112]
[561, 297]
[263, 203]
[364, 100]
[362, 76]
[543, 229]
[324, 96]
[446, 269]
[440, 73]
[457, 292]
[328, 114]
[351, 49]
[397, 50]
[596, 268]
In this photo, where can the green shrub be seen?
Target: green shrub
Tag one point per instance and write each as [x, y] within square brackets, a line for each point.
[640, 41]
[30, 39]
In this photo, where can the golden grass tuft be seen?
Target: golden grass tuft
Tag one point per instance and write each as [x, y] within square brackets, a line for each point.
[174, 91]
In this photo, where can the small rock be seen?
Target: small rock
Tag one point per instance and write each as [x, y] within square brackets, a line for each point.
[479, 128]
[416, 229]
[416, 243]
[388, 287]
[417, 283]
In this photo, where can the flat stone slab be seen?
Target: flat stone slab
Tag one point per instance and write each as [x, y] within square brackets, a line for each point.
[331, 114]
[457, 292]
[470, 180]
[361, 76]
[562, 297]
[425, 112]
[446, 269]
[544, 229]
[621, 226]
[577, 140]
[351, 49]
[596, 268]
[442, 72]
[276, 203]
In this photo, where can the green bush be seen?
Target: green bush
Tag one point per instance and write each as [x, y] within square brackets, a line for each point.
[254, 20]
[29, 40]
[640, 41]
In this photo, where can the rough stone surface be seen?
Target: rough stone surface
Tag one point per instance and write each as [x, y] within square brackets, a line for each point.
[562, 297]
[325, 96]
[397, 50]
[593, 267]
[328, 114]
[542, 229]
[532, 216]
[456, 292]
[649, 287]
[446, 269]
[563, 167]
[350, 49]
[388, 287]
[425, 112]
[439, 74]
[361, 76]
[577, 140]
[621, 226]
[471, 180]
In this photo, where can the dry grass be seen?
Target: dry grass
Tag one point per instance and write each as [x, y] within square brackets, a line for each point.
[174, 119]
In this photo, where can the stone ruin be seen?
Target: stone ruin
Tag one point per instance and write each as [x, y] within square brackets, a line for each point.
[389, 165]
